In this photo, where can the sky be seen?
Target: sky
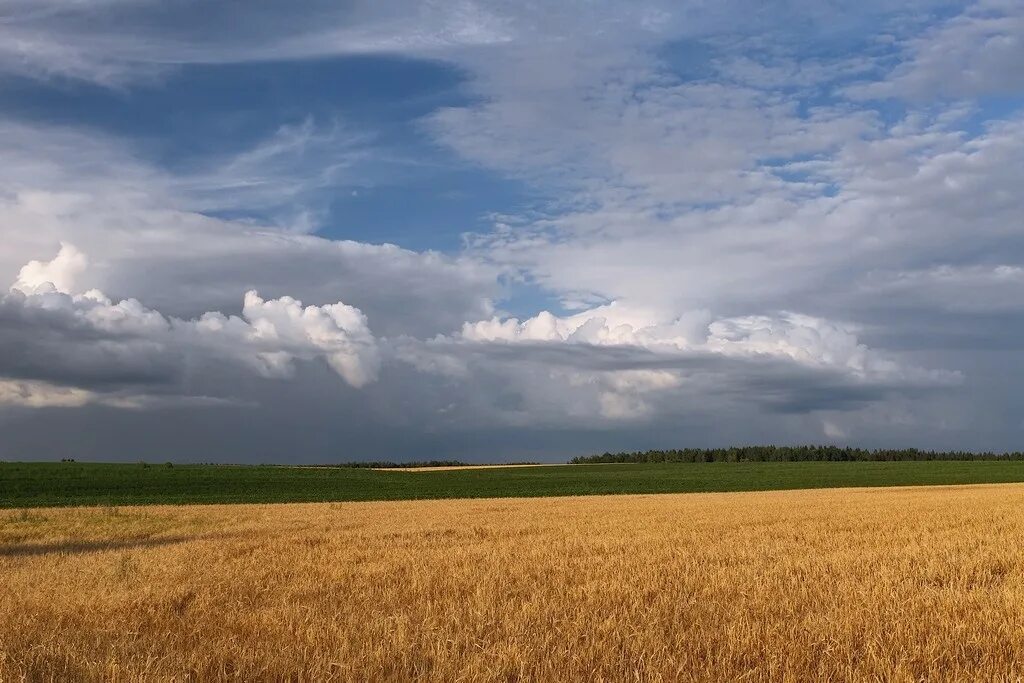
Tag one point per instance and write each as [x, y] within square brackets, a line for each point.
[316, 231]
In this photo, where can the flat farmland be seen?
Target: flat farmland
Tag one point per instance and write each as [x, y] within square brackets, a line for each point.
[55, 483]
[869, 584]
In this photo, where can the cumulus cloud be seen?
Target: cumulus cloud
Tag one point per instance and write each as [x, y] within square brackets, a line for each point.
[66, 345]
[620, 365]
[802, 339]
[270, 335]
[58, 274]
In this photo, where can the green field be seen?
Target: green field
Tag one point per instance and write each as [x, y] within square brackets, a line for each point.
[52, 484]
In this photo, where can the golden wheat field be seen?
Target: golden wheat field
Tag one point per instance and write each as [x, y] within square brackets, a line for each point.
[879, 584]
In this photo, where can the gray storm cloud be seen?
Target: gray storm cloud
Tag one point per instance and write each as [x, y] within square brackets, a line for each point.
[57, 334]
[741, 223]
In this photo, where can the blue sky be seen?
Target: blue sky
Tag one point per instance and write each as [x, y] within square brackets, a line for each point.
[492, 230]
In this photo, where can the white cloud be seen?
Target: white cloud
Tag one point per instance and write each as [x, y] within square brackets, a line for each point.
[271, 334]
[613, 365]
[117, 43]
[59, 345]
[60, 273]
[802, 339]
[975, 53]
[147, 239]
[282, 180]
[891, 200]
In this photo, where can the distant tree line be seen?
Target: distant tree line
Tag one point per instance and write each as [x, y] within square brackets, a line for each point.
[790, 454]
[388, 464]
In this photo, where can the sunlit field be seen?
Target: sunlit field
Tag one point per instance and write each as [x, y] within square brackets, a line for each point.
[893, 584]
